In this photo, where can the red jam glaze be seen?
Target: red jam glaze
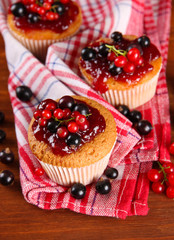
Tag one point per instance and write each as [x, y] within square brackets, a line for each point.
[58, 26]
[58, 145]
[99, 67]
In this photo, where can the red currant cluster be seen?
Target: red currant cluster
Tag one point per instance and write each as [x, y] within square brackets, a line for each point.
[163, 179]
[39, 9]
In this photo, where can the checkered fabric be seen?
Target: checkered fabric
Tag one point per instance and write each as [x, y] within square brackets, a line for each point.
[60, 75]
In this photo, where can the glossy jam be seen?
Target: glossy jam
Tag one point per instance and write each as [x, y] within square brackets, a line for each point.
[96, 122]
[99, 67]
[57, 26]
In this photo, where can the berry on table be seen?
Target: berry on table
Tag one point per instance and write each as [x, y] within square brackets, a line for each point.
[103, 187]
[2, 117]
[6, 156]
[6, 177]
[114, 70]
[135, 116]
[78, 191]
[18, 9]
[144, 41]
[170, 192]
[154, 175]
[171, 179]
[88, 54]
[2, 135]
[158, 187]
[144, 127]
[62, 132]
[171, 149]
[73, 140]
[168, 167]
[103, 50]
[120, 61]
[39, 171]
[116, 36]
[111, 173]
[66, 102]
[123, 109]
[24, 93]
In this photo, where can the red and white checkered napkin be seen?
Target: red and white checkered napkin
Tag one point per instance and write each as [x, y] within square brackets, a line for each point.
[59, 76]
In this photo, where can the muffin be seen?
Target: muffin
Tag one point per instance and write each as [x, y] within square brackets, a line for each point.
[39, 24]
[72, 139]
[123, 69]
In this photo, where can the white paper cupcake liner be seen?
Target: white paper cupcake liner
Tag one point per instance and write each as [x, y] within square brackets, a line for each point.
[133, 97]
[85, 175]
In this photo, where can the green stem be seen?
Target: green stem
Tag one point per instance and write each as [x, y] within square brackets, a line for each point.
[70, 119]
[116, 51]
[164, 173]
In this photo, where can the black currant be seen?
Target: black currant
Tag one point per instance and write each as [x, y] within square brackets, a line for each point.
[135, 45]
[111, 173]
[81, 108]
[116, 36]
[66, 102]
[78, 191]
[6, 178]
[60, 9]
[33, 17]
[73, 140]
[18, 9]
[2, 135]
[144, 127]
[24, 93]
[144, 41]
[6, 156]
[123, 109]
[52, 126]
[103, 50]
[103, 187]
[88, 54]
[135, 116]
[2, 117]
[114, 70]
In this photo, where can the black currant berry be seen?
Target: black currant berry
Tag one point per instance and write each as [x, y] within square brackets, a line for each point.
[123, 109]
[88, 54]
[78, 191]
[33, 18]
[60, 9]
[144, 127]
[2, 135]
[73, 140]
[135, 45]
[18, 9]
[103, 50]
[135, 116]
[24, 93]
[111, 173]
[2, 117]
[82, 109]
[6, 156]
[114, 70]
[66, 102]
[52, 126]
[6, 178]
[103, 187]
[144, 41]
[116, 36]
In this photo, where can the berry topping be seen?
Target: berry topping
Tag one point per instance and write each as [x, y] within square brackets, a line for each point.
[2, 117]
[58, 113]
[66, 113]
[78, 191]
[116, 36]
[51, 106]
[73, 140]
[53, 126]
[103, 50]
[120, 61]
[73, 127]
[123, 109]
[42, 122]
[88, 54]
[62, 132]
[133, 54]
[24, 93]
[82, 109]
[37, 114]
[6, 178]
[111, 173]
[39, 171]
[139, 61]
[59, 8]
[6, 156]
[111, 56]
[33, 17]
[66, 102]
[18, 9]
[144, 127]
[144, 41]
[46, 114]
[84, 127]
[114, 70]
[2, 135]
[129, 67]
[135, 116]
[103, 187]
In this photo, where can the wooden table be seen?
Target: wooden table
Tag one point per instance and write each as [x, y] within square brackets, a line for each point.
[22, 221]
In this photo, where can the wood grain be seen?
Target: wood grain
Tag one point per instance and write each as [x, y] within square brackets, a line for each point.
[20, 220]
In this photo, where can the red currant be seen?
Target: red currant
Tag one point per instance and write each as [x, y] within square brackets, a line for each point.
[62, 132]
[25, 2]
[111, 56]
[170, 192]
[158, 187]
[75, 114]
[85, 126]
[66, 113]
[49, 1]
[171, 179]
[31, 1]
[171, 149]
[42, 122]
[33, 7]
[129, 67]
[58, 113]
[73, 127]
[80, 120]
[37, 114]
[56, 16]
[154, 175]
[41, 11]
[64, 1]
[46, 5]
[51, 106]
[39, 171]
[139, 61]
[168, 167]
[133, 54]
[46, 114]
[50, 16]
[120, 61]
